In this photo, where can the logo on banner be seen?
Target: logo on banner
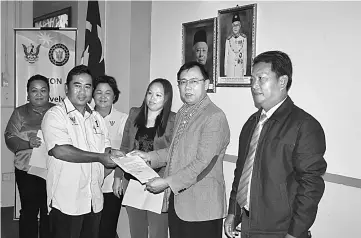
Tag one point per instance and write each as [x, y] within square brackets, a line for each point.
[59, 54]
[31, 54]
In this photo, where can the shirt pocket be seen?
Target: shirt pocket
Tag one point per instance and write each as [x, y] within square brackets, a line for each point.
[97, 140]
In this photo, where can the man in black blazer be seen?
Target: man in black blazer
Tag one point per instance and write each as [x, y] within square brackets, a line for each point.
[278, 177]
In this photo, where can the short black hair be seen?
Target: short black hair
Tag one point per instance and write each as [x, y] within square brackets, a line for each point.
[281, 64]
[190, 65]
[112, 83]
[78, 70]
[37, 77]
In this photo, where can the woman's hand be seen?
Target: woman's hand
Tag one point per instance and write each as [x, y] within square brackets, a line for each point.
[34, 142]
[117, 187]
[144, 155]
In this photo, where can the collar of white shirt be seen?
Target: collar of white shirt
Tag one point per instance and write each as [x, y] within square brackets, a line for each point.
[270, 112]
[69, 107]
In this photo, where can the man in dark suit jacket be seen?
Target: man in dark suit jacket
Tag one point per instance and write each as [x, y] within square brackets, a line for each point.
[279, 198]
[193, 180]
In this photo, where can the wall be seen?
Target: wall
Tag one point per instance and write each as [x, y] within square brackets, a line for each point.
[14, 14]
[41, 8]
[128, 49]
[323, 43]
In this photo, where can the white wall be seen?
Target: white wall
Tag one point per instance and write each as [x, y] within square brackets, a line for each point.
[14, 14]
[323, 41]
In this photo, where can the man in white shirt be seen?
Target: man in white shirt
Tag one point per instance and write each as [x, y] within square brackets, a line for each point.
[79, 149]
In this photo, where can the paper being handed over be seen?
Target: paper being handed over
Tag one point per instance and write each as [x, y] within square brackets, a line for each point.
[136, 195]
[135, 166]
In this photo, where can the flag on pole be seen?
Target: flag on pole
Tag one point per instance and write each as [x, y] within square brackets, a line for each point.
[93, 54]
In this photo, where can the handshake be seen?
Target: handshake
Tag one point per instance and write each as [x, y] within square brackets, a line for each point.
[107, 158]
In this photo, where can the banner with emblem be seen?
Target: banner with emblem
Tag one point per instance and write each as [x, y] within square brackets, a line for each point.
[47, 52]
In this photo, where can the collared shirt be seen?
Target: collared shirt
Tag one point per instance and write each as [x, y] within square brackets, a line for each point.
[268, 114]
[24, 122]
[115, 122]
[75, 188]
[186, 112]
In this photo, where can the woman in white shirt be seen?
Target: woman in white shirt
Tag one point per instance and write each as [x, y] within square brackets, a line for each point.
[105, 94]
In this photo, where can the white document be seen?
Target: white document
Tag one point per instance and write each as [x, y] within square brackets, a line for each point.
[136, 197]
[39, 156]
[40, 172]
[136, 166]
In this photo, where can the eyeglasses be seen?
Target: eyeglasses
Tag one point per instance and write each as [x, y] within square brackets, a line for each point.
[192, 82]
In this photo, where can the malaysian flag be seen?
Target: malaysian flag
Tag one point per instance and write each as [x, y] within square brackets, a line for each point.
[93, 54]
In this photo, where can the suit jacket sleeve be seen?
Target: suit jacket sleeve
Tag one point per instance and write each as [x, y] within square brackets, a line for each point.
[126, 147]
[309, 167]
[214, 137]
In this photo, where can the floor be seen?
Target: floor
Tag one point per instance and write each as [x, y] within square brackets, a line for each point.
[9, 227]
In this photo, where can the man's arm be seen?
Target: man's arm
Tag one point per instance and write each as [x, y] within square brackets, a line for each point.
[211, 142]
[309, 167]
[59, 142]
[72, 154]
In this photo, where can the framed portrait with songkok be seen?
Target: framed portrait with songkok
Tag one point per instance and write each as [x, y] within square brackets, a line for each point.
[199, 44]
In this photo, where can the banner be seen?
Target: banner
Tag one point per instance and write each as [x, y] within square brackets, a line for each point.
[50, 53]
[47, 52]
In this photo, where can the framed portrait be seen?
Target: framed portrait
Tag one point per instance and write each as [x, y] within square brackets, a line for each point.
[199, 44]
[59, 19]
[236, 45]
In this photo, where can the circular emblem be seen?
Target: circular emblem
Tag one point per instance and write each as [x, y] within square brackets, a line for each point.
[59, 54]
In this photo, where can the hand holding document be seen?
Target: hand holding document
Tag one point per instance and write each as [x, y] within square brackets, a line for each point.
[135, 166]
[38, 159]
[39, 155]
[136, 194]
[138, 197]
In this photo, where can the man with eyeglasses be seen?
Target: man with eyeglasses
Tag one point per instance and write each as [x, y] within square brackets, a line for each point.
[193, 182]
[79, 149]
